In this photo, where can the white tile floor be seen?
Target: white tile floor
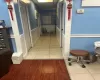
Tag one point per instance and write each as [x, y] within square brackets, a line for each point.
[47, 47]
[91, 72]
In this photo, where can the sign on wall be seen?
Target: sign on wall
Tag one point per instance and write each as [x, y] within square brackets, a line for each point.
[90, 2]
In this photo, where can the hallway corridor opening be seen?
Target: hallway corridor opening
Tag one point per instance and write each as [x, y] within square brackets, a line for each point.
[46, 47]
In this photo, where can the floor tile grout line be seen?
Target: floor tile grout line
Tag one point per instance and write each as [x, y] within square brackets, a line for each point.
[90, 73]
[71, 74]
[86, 73]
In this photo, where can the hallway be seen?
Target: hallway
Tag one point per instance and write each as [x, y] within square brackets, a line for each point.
[46, 47]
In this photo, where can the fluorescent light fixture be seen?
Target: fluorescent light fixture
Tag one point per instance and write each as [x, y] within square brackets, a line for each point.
[26, 1]
[45, 0]
[15, 1]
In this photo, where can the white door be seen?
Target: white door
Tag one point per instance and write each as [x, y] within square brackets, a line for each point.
[25, 23]
[39, 25]
[61, 24]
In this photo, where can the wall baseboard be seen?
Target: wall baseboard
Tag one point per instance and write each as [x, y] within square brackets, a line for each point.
[85, 35]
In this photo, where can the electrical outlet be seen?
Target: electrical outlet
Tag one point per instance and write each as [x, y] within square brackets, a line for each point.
[80, 11]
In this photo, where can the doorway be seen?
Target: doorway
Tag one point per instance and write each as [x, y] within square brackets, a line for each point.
[46, 46]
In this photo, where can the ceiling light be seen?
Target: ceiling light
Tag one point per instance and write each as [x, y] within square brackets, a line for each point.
[45, 0]
[26, 1]
[15, 1]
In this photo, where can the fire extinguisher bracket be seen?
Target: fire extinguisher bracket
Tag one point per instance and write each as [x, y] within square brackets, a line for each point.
[10, 7]
[69, 6]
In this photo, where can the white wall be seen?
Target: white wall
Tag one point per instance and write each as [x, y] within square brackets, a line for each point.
[91, 3]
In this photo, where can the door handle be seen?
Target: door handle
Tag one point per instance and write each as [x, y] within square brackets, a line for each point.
[62, 29]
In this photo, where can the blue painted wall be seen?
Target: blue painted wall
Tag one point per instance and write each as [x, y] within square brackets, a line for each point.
[33, 21]
[18, 18]
[4, 13]
[13, 45]
[5, 16]
[83, 43]
[87, 23]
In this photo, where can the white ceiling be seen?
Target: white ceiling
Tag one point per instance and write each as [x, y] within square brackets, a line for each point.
[46, 6]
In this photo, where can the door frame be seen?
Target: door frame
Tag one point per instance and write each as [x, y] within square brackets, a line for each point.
[28, 26]
[60, 17]
[61, 24]
[30, 35]
[39, 24]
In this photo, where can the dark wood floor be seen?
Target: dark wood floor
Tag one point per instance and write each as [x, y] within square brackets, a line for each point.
[38, 70]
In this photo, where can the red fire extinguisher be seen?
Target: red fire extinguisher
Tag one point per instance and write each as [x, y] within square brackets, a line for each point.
[10, 10]
[8, 1]
[69, 0]
[69, 7]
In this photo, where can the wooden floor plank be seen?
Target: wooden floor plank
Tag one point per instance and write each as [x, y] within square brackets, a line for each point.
[38, 70]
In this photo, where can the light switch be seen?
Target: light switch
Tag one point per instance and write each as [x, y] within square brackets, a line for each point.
[80, 11]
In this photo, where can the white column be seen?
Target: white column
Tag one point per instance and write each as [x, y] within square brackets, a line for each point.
[67, 31]
[15, 29]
